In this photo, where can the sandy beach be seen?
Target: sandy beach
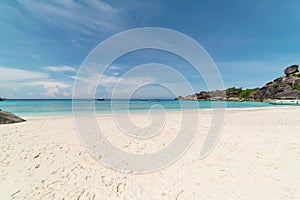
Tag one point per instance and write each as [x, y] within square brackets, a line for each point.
[257, 157]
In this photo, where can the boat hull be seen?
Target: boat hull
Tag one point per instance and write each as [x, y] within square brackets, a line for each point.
[285, 102]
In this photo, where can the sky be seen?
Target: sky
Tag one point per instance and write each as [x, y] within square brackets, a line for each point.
[44, 43]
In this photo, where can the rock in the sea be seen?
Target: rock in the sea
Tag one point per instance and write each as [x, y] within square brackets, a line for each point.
[8, 118]
[291, 70]
[179, 98]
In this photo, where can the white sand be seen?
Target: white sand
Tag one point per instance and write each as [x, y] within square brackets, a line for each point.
[257, 157]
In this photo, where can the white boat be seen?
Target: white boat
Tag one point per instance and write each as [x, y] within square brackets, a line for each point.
[286, 102]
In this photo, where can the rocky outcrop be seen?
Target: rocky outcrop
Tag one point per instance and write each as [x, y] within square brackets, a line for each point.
[217, 95]
[291, 70]
[8, 118]
[281, 88]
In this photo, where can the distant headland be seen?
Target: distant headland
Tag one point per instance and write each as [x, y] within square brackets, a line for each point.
[285, 87]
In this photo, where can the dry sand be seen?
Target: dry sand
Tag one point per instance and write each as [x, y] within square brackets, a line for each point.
[257, 157]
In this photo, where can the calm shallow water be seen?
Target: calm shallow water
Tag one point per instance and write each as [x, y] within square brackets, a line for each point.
[53, 107]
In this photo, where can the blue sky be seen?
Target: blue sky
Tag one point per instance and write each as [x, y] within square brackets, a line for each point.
[43, 43]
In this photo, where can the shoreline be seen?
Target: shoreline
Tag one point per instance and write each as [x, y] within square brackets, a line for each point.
[167, 111]
[59, 108]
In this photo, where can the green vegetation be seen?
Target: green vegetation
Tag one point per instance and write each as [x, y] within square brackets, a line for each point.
[276, 85]
[239, 92]
[298, 75]
[247, 92]
[297, 87]
[232, 90]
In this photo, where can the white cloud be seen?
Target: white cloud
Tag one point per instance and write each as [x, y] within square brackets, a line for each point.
[114, 67]
[52, 88]
[60, 68]
[13, 74]
[20, 83]
[67, 94]
[50, 84]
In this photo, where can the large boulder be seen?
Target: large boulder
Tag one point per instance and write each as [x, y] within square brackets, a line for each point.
[203, 95]
[291, 70]
[8, 118]
[264, 93]
[296, 82]
[292, 94]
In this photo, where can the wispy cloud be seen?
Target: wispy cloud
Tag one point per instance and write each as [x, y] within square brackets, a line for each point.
[88, 17]
[14, 74]
[129, 84]
[60, 68]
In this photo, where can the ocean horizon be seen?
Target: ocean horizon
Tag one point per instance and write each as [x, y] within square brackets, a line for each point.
[54, 107]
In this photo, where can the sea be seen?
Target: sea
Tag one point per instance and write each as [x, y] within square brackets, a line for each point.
[55, 107]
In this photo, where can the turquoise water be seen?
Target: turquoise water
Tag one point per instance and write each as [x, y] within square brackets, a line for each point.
[64, 106]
